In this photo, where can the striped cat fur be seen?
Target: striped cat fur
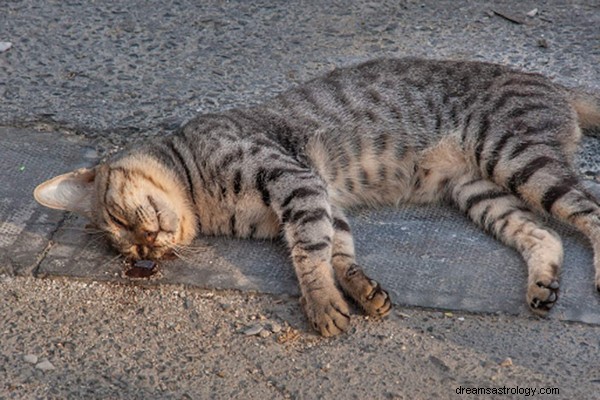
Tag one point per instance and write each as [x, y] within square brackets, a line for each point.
[495, 142]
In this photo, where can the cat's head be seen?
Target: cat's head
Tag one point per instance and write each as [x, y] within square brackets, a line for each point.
[135, 200]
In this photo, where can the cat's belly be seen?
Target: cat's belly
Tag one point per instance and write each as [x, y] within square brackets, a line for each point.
[416, 177]
[255, 220]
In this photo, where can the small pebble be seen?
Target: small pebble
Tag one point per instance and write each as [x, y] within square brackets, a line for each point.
[45, 366]
[507, 362]
[253, 330]
[5, 46]
[264, 333]
[532, 13]
[30, 358]
[275, 327]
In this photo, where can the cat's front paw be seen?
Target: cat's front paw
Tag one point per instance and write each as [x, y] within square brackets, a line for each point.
[327, 311]
[377, 302]
[367, 292]
[542, 294]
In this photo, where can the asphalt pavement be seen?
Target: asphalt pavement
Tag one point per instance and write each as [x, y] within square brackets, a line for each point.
[81, 80]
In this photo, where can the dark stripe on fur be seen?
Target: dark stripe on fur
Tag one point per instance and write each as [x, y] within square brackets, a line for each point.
[581, 213]
[484, 215]
[508, 95]
[237, 182]
[340, 254]
[545, 126]
[496, 153]
[231, 157]
[526, 109]
[261, 186]
[316, 246]
[181, 160]
[299, 193]
[232, 225]
[478, 198]
[484, 126]
[518, 149]
[521, 177]
[556, 192]
[340, 225]
[306, 216]
[381, 143]
[524, 80]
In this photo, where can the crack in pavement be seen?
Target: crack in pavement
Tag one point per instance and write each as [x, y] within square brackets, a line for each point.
[42, 256]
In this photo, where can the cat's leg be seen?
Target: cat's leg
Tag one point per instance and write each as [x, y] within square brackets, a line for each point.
[301, 201]
[581, 210]
[364, 290]
[538, 170]
[556, 189]
[505, 216]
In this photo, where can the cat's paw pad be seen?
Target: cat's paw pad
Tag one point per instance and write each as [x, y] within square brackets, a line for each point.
[328, 312]
[542, 295]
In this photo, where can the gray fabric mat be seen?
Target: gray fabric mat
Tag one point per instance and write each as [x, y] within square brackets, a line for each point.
[425, 256]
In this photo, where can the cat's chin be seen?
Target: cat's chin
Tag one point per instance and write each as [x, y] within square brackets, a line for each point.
[155, 254]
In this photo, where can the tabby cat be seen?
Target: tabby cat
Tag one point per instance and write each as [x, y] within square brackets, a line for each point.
[495, 142]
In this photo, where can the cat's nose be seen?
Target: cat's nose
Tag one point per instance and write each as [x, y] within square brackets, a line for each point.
[149, 237]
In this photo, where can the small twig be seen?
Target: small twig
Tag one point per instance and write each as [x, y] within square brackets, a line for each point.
[511, 18]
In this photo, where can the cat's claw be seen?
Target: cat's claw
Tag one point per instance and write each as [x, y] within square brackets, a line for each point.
[542, 295]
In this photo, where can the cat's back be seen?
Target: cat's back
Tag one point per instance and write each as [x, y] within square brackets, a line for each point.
[411, 96]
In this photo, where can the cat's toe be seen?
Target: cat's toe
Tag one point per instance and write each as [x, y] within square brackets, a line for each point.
[377, 303]
[367, 292]
[328, 313]
[542, 295]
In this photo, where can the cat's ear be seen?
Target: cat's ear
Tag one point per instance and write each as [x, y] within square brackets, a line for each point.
[71, 192]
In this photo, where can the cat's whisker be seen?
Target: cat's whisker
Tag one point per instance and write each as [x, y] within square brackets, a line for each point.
[84, 229]
[182, 257]
[202, 247]
[96, 237]
[112, 260]
[190, 250]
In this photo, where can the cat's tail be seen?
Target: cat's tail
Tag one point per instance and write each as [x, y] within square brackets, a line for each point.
[587, 106]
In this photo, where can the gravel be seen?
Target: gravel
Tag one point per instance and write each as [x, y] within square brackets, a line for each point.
[128, 342]
[45, 365]
[30, 358]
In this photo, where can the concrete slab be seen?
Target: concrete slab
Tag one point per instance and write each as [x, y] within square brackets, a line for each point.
[425, 256]
[26, 158]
